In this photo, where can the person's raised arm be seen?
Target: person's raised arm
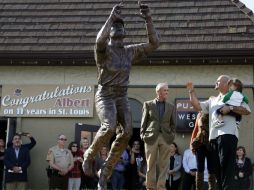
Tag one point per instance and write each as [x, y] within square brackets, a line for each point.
[103, 35]
[193, 98]
[32, 143]
[195, 130]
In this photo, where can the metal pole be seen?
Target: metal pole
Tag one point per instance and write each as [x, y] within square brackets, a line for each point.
[6, 143]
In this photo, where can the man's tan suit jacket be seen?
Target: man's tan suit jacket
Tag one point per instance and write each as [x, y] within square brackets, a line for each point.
[152, 125]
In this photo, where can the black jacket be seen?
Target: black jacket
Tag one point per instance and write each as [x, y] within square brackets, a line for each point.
[246, 169]
[22, 161]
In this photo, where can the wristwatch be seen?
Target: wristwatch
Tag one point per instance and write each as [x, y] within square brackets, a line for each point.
[231, 108]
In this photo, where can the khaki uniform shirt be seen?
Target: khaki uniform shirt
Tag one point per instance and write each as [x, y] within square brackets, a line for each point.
[61, 157]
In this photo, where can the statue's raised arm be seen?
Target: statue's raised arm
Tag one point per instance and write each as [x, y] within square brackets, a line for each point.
[104, 33]
[151, 31]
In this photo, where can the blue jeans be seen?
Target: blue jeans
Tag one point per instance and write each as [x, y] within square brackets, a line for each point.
[117, 180]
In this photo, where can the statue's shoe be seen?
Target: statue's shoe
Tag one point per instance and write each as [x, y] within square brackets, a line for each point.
[88, 167]
[103, 179]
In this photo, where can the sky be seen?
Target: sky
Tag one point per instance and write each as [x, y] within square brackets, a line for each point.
[249, 4]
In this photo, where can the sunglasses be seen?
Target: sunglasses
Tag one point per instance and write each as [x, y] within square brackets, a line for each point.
[63, 139]
[74, 146]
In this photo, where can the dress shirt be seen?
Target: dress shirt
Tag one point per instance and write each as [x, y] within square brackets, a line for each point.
[189, 161]
[17, 152]
[160, 107]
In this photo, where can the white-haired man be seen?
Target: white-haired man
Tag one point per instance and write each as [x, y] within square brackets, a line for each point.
[158, 132]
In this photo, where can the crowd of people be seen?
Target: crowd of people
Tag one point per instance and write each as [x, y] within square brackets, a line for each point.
[130, 170]
[156, 165]
[212, 161]
[65, 162]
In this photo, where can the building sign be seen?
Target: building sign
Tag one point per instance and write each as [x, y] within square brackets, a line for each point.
[47, 100]
[185, 115]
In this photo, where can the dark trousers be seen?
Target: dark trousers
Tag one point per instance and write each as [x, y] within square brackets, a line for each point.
[188, 182]
[205, 152]
[58, 182]
[174, 184]
[1, 178]
[224, 153]
[242, 184]
[88, 182]
[205, 186]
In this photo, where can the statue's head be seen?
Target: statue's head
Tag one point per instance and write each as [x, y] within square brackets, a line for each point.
[117, 30]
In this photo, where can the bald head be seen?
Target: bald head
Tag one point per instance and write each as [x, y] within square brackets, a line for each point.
[222, 83]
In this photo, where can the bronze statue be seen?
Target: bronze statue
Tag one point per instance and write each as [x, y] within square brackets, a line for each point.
[114, 60]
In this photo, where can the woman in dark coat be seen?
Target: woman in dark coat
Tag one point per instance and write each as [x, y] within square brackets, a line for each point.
[243, 170]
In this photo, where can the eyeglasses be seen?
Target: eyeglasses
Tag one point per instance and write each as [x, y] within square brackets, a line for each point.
[63, 139]
[74, 146]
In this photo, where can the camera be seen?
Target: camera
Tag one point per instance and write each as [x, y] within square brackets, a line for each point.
[23, 134]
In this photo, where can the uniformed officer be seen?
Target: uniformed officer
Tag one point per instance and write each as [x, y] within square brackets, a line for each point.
[61, 162]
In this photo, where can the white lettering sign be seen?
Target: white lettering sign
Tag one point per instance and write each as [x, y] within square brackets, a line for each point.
[47, 100]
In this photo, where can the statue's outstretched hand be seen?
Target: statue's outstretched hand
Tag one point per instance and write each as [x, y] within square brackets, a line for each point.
[116, 11]
[144, 10]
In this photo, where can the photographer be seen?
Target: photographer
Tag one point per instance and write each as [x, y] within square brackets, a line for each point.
[16, 161]
[30, 145]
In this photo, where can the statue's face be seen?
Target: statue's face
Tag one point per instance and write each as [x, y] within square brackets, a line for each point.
[117, 31]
